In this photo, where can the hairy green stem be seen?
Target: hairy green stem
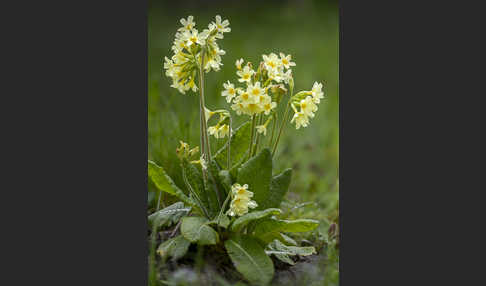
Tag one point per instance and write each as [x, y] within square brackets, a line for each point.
[253, 121]
[207, 149]
[229, 143]
[284, 120]
[260, 122]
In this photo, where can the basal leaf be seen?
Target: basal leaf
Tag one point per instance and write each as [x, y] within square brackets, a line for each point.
[224, 221]
[170, 214]
[225, 179]
[175, 247]
[278, 188]
[287, 240]
[257, 173]
[164, 183]
[240, 141]
[250, 259]
[271, 236]
[195, 230]
[283, 257]
[242, 221]
[282, 252]
[214, 189]
[298, 225]
[276, 247]
[195, 180]
[269, 229]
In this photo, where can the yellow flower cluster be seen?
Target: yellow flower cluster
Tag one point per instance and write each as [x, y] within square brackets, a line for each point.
[222, 128]
[254, 98]
[241, 200]
[219, 130]
[189, 47]
[184, 151]
[307, 102]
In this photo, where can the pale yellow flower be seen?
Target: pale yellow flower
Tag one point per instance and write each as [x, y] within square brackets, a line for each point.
[245, 74]
[255, 90]
[213, 130]
[317, 93]
[241, 200]
[268, 105]
[286, 61]
[262, 129]
[300, 120]
[187, 24]
[222, 26]
[287, 76]
[272, 62]
[229, 92]
[223, 130]
[238, 64]
[308, 107]
[193, 37]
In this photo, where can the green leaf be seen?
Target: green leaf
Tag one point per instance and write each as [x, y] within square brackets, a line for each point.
[171, 214]
[195, 180]
[223, 222]
[250, 259]
[225, 179]
[195, 229]
[234, 170]
[282, 252]
[257, 173]
[213, 188]
[287, 240]
[278, 247]
[283, 257]
[242, 221]
[271, 236]
[270, 229]
[239, 145]
[175, 247]
[164, 183]
[278, 188]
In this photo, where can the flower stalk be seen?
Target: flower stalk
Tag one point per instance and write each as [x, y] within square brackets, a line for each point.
[253, 123]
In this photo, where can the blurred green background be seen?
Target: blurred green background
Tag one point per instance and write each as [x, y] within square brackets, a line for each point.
[309, 31]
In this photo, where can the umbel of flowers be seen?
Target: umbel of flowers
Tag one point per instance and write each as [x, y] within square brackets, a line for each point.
[190, 47]
[263, 90]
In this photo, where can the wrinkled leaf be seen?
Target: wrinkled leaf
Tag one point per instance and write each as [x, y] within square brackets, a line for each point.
[268, 230]
[224, 221]
[284, 258]
[282, 252]
[242, 221]
[234, 170]
[287, 240]
[225, 179]
[195, 229]
[175, 247]
[278, 247]
[164, 183]
[195, 180]
[170, 214]
[257, 173]
[214, 190]
[278, 188]
[239, 145]
[250, 259]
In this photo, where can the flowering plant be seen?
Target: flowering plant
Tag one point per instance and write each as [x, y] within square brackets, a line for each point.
[232, 197]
